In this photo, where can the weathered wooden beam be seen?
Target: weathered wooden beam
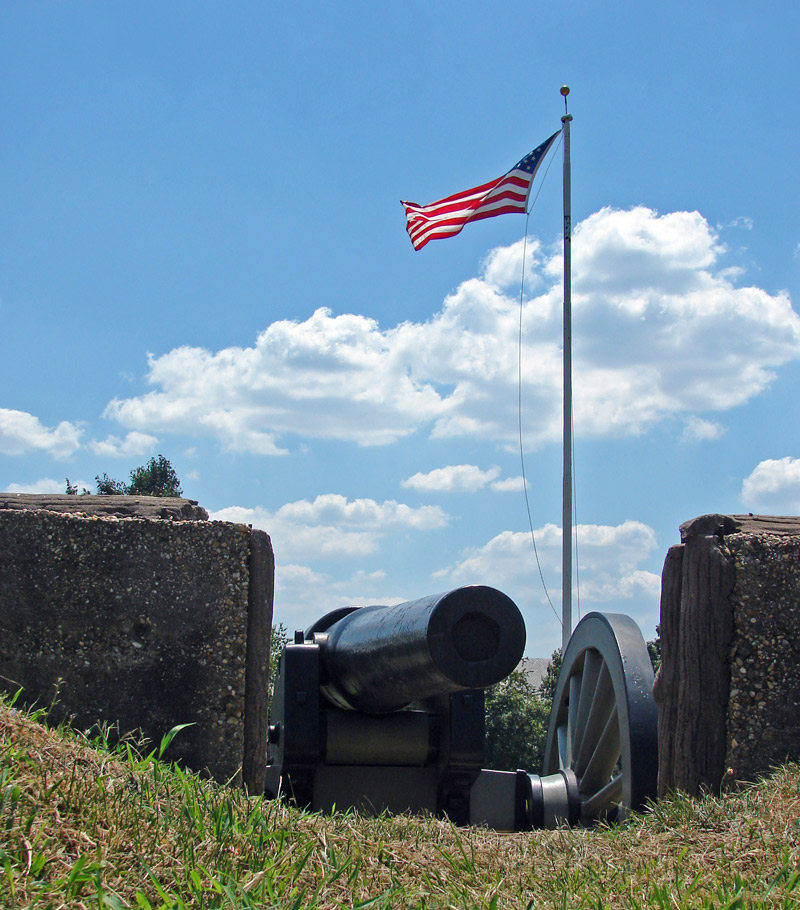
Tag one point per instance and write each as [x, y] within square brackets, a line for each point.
[122, 506]
[729, 684]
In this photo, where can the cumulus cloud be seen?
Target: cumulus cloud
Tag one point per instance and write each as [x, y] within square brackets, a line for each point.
[300, 540]
[21, 433]
[613, 562]
[330, 376]
[333, 526]
[303, 594]
[45, 485]
[462, 478]
[695, 341]
[509, 485]
[332, 508]
[774, 487]
[661, 329]
[134, 443]
[610, 563]
[297, 596]
[699, 430]
[309, 534]
[743, 221]
[455, 478]
[502, 267]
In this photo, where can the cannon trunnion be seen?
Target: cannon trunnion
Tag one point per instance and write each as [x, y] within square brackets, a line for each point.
[381, 708]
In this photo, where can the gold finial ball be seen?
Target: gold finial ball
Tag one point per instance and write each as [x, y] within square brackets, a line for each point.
[565, 90]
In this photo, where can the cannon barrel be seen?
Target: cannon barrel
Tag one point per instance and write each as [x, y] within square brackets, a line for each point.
[381, 658]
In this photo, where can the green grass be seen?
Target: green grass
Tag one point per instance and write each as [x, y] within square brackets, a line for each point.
[85, 826]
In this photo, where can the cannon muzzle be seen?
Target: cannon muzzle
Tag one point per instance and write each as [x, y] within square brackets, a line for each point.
[378, 659]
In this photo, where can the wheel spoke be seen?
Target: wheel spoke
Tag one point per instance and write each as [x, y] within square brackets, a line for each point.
[562, 746]
[592, 664]
[572, 715]
[604, 757]
[608, 797]
[597, 714]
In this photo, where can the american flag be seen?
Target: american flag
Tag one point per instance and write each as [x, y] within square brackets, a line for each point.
[447, 217]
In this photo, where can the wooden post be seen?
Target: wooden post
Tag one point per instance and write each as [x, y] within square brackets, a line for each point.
[259, 632]
[729, 596]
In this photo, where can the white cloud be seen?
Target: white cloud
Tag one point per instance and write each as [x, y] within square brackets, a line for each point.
[332, 526]
[330, 376]
[774, 487]
[744, 222]
[509, 485]
[503, 265]
[454, 478]
[695, 341]
[21, 433]
[699, 430]
[612, 563]
[297, 541]
[610, 560]
[303, 595]
[45, 485]
[297, 596]
[612, 576]
[659, 331]
[332, 508]
[134, 443]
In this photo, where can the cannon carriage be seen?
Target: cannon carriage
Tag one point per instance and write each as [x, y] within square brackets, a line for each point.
[382, 709]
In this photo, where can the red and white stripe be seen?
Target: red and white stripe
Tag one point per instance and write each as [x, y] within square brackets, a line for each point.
[447, 217]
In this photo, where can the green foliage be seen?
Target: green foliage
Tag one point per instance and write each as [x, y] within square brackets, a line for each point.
[72, 489]
[516, 725]
[108, 487]
[547, 687]
[156, 478]
[517, 717]
[278, 639]
[654, 650]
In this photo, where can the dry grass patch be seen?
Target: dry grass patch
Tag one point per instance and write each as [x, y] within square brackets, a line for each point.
[82, 826]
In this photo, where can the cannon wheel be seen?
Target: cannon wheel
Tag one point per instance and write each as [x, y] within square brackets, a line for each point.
[604, 721]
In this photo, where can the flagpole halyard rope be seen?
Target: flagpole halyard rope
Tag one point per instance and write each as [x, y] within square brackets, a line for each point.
[446, 218]
[519, 415]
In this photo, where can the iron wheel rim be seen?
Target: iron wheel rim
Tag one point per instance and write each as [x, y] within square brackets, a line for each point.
[604, 720]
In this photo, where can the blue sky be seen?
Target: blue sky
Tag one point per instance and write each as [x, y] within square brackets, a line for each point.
[203, 254]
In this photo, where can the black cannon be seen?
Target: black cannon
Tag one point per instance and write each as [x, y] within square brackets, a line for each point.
[382, 708]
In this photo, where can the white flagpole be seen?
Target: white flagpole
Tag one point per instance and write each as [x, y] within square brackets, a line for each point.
[566, 503]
